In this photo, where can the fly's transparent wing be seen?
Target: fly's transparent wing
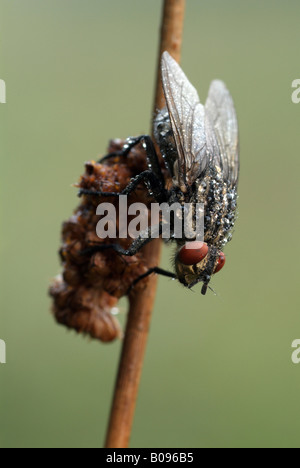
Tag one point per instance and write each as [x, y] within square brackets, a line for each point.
[220, 111]
[187, 116]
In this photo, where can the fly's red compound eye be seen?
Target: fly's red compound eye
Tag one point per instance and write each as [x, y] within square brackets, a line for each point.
[193, 253]
[221, 262]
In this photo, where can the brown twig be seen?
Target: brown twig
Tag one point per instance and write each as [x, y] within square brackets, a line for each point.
[141, 304]
[170, 40]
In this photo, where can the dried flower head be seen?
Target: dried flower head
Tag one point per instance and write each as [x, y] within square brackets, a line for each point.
[91, 285]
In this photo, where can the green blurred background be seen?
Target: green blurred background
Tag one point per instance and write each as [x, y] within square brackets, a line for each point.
[218, 369]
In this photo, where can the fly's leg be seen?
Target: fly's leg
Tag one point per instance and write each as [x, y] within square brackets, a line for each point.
[150, 234]
[153, 232]
[153, 160]
[130, 143]
[156, 270]
[153, 177]
[154, 186]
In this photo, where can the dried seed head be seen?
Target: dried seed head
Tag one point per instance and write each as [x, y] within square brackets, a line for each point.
[91, 285]
[86, 310]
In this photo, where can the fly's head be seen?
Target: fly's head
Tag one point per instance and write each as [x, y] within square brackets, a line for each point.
[196, 262]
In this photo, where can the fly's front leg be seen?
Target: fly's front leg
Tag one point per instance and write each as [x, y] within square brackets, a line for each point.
[151, 271]
[153, 232]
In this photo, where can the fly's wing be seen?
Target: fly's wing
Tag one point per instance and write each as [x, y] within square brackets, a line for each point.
[220, 111]
[187, 117]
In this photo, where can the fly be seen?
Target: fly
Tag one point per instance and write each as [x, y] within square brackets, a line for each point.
[199, 144]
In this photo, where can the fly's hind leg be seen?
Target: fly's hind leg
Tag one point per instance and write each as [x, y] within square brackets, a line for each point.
[130, 143]
[153, 177]
[153, 160]
[154, 186]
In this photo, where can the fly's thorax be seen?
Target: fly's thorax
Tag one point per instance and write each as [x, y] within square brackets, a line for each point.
[219, 199]
[197, 262]
[164, 137]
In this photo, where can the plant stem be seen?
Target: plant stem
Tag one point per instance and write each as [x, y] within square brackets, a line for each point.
[170, 40]
[141, 303]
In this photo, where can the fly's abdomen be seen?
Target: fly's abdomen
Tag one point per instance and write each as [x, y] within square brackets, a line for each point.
[219, 200]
